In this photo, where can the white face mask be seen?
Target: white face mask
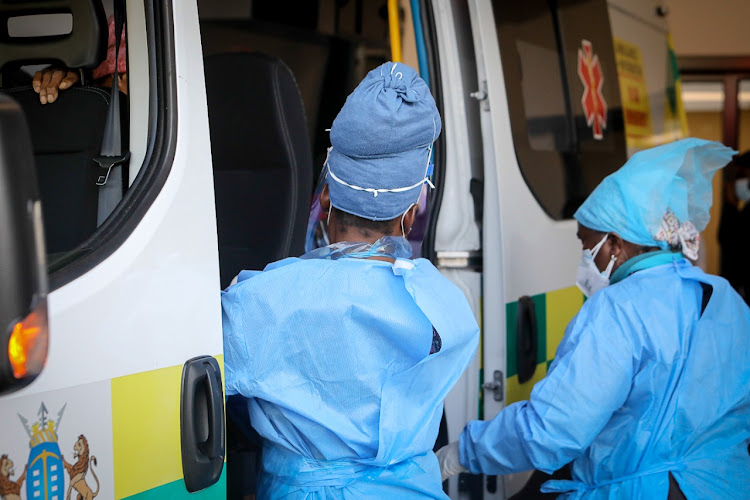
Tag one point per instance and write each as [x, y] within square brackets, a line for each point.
[588, 278]
[742, 189]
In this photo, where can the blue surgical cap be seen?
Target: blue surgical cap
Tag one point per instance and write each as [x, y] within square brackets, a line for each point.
[633, 201]
[381, 143]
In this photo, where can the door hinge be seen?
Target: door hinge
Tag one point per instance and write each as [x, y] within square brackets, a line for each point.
[482, 96]
[460, 260]
[497, 386]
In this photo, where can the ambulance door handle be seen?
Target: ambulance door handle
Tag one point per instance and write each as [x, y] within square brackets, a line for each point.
[201, 423]
[526, 339]
[213, 446]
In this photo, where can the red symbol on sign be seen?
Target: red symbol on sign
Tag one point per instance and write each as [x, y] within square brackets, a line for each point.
[594, 105]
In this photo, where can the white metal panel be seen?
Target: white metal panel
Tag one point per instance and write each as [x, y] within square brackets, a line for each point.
[493, 290]
[540, 254]
[462, 403]
[138, 87]
[155, 301]
[456, 227]
[525, 252]
[457, 230]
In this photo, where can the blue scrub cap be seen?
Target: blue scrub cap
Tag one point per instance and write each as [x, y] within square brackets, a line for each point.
[660, 196]
[381, 144]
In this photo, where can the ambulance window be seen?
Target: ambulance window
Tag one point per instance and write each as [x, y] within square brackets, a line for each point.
[563, 97]
[84, 213]
[547, 122]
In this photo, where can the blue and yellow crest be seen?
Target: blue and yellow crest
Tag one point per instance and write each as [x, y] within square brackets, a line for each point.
[44, 476]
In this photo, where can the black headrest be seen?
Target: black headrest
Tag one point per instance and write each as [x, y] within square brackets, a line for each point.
[255, 108]
[84, 47]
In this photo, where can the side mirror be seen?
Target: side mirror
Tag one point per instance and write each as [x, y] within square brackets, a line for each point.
[24, 332]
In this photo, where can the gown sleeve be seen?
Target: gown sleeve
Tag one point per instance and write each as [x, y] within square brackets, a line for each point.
[235, 302]
[588, 381]
[239, 322]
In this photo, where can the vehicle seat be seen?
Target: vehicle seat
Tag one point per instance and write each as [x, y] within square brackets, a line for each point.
[325, 67]
[261, 159]
[67, 134]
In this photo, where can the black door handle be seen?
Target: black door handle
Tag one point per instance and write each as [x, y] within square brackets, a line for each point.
[201, 423]
[526, 339]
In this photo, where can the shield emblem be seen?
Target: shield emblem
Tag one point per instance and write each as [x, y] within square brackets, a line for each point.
[45, 478]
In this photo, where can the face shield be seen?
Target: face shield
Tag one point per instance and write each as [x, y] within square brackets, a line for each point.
[317, 223]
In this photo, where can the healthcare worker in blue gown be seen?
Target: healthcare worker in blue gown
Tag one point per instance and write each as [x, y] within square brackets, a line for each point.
[346, 354]
[649, 392]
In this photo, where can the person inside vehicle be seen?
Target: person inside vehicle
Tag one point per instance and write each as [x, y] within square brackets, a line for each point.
[649, 392]
[735, 224]
[49, 81]
[345, 355]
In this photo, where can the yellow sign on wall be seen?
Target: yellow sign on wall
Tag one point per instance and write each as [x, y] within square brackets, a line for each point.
[634, 92]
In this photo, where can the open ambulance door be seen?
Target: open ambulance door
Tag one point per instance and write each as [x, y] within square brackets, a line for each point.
[129, 401]
[552, 129]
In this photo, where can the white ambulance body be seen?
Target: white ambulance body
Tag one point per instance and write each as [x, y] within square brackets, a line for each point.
[530, 252]
[533, 119]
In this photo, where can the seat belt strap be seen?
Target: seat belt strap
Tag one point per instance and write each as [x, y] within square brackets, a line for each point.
[111, 156]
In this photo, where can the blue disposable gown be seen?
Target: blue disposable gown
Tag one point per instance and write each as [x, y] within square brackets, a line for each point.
[641, 385]
[333, 358]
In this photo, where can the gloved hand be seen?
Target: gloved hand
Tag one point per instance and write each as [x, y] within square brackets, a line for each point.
[449, 459]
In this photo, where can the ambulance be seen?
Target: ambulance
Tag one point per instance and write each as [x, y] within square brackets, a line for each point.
[124, 212]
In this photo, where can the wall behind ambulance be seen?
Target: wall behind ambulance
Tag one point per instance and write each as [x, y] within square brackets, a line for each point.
[709, 28]
[716, 28]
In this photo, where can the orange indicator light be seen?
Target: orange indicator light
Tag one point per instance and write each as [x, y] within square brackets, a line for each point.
[27, 347]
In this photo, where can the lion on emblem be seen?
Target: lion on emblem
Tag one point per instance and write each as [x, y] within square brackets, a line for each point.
[77, 471]
[10, 490]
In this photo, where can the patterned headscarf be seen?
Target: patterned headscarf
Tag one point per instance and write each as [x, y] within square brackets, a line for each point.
[679, 236]
[107, 67]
